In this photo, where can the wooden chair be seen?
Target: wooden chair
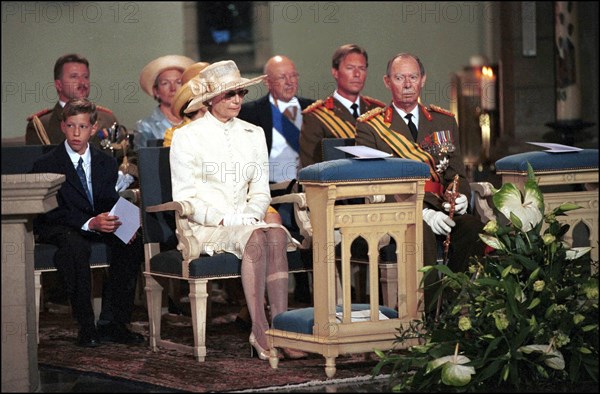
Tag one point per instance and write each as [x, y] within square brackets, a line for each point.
[20, 160]
[165, 224]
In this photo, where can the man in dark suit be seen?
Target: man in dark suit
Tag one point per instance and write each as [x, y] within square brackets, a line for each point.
[82, 215]
[279, 113]
[429, 135]
[335, 116]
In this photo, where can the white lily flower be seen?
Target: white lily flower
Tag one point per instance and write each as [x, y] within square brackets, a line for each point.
[577, 252]
[555, 362]
[528, 210]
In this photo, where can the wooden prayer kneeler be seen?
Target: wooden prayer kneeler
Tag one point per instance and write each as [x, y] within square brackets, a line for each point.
[561, 169]
[318, 329]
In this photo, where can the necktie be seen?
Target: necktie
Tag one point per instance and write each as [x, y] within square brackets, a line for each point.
[411, 126]
[290, 113]
[354, 110]
[83, 180]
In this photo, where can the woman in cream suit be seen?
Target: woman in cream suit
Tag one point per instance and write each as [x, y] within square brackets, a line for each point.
[219, 163]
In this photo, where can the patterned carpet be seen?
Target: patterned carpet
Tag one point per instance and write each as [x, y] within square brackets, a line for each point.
[228, 366]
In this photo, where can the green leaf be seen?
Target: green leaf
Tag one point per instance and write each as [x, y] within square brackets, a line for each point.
[589, 327]
[567, 206]
[585, 350]
[492, 241]
[534, 274]
[535, 302]
[506, 271]
[516, 221]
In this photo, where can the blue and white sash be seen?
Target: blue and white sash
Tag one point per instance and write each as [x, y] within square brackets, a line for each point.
[286, 128]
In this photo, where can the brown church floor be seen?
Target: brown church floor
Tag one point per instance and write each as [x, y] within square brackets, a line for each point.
[61, 380]
[55, 380]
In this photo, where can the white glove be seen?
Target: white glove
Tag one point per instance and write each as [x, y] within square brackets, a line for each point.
[460, 206]
[239, 219]
[123, 181]
[443, 164]
[439, 222]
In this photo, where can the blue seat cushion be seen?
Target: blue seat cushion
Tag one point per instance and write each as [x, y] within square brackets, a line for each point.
[302, 320]
[218, 265]
[44, 256]
[548, 162]
[341, 170]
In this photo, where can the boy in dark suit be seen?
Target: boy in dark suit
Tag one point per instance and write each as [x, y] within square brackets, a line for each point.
[82, 216]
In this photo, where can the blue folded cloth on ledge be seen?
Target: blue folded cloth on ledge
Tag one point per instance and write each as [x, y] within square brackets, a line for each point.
[359, 170]
[545, 161]
[302, 320]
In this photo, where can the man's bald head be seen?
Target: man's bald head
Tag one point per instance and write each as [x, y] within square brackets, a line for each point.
[282, 77]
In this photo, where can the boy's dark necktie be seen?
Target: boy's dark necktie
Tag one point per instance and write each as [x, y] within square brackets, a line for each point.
[83, 180]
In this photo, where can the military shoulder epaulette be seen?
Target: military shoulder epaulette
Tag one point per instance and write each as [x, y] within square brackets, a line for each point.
[435, 108]
[103, 109]
[313, 106]
[38, 114]
[371, 100]
[370, 114]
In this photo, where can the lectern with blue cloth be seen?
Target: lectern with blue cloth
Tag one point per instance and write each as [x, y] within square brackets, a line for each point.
[330, 329]
[577, 170]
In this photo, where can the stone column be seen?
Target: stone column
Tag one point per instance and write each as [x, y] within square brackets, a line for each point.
[23, 197]
[568, 125]
[568, 95]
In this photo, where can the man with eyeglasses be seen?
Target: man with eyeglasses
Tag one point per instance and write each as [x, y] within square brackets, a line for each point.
[279, 113]
[408, 129]
[335, 116]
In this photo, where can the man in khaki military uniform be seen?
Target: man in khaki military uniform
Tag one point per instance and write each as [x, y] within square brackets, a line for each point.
[71, 80]
[435, 133]
[335, 116]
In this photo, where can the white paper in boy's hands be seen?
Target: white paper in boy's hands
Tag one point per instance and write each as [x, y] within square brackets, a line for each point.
[556, 148]
[129, 216]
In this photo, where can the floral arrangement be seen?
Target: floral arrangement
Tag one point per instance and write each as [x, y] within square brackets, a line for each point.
[525, 316]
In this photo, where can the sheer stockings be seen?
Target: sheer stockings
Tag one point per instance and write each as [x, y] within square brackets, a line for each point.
[264, 267]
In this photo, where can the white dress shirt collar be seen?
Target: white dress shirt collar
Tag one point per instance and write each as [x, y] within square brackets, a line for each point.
[74, 156]
[347, 103]
[414, 112]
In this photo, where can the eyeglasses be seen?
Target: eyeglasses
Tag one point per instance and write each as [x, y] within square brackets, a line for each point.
[284, 77]
[232, 93]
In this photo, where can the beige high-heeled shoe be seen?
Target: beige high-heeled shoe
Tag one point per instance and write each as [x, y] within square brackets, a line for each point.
[260, 352]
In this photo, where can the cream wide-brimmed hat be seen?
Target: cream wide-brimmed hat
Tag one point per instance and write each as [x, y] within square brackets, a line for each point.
[184, 93]
[153, 69]
[215, 79]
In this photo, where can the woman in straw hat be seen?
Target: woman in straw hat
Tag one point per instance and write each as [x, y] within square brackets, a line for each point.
[182, 98]
[160, 79]
[219, 164]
